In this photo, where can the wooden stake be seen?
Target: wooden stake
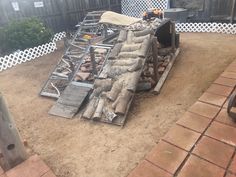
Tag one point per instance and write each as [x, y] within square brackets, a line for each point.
[173, 36]
[92, 56]
[155, 58]
[10, 143]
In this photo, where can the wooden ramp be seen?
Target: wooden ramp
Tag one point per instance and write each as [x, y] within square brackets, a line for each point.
[71, 100]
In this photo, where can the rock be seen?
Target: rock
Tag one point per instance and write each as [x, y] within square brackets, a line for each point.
[83, 75]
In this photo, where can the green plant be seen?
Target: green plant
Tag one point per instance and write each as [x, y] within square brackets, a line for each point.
[23, 34]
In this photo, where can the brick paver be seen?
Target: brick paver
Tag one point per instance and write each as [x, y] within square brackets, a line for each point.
[1, 171]
[214, 99]
[167, 156]
[232, 167]
[182, 137]
[230, 175]
[230, 75]
[194, 121]
[204, 109]
[222, 132]
[220, 90]
[225, 81]
[32, 167]
[226, 104]
[214, 151]
[231, 68]
[49, 174]
[146, 169]
[203, 141]
[224, 118]
[196, 167]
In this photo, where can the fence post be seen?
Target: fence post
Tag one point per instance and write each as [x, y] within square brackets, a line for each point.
[10, 143]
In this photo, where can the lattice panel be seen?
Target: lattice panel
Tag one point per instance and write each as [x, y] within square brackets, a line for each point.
[59, 36]
[225, 28]
[135, 8]
[26, 55]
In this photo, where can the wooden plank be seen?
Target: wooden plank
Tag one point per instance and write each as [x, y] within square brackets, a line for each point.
[70, 101]
[10, 143]
[163, 78]
[173, 33]
[155, 59]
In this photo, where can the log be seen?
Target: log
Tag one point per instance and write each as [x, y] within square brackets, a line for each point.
[105, 71]
[98, 112]
[132, 81]
[123, 102]
[134, 54]
[99, 90]
[60, 74]
[117, 86]
[122, 36]
[90, 109]
[130, 47]
[115, 51]
[144, 86]
[165, 51]
[141, 39]
[115, 102]
[107, 83]
[11, 146]
[117, 71]
[145, 48]
[136, 66]
[130, 37]
[109, 113]
[144, 32]
[125, 62]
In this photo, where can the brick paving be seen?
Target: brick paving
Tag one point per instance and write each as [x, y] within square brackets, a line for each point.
[32, 167]
[203, 141]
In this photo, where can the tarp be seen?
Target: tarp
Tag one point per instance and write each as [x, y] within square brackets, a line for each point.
[117, 19]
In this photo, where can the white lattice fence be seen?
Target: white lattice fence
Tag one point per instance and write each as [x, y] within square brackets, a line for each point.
[19, 57]
[135, 8]
[59, 36]
[11, 60]
[225, 28]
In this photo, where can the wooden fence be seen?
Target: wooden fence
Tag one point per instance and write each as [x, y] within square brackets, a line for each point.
[57, 14]
[209, 10]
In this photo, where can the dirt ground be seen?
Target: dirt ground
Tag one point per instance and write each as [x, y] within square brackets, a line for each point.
[77, 148]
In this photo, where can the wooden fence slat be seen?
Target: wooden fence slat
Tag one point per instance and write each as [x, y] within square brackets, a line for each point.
[55, 13]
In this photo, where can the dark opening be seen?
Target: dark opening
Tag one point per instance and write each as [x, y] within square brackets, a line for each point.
[10, 146]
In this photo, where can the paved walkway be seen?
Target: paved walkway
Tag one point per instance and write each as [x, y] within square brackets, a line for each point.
[32, 167]
[202, 143]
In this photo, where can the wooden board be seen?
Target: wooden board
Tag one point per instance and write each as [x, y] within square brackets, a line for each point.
[71, 100]
[163, 78]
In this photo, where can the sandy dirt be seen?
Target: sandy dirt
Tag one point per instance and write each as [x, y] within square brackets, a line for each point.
[77, 148]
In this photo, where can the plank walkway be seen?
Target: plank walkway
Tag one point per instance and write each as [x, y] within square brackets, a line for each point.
[202, 143]
[71, 100]
[32, 167]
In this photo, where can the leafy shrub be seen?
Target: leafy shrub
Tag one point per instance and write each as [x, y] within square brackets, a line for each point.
[23, 34]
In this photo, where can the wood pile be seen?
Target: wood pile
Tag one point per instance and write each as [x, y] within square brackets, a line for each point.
[91, 65]
[116, 84]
